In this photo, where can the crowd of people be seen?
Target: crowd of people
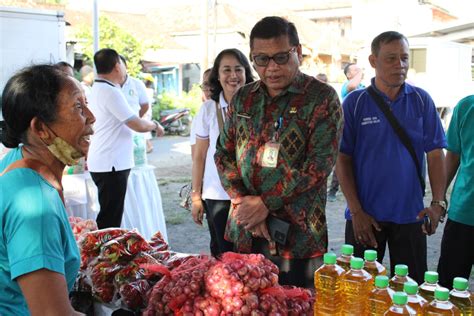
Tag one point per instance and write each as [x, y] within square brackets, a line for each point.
[263, 151]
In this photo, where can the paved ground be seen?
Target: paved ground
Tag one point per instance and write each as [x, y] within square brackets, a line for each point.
[172, 157]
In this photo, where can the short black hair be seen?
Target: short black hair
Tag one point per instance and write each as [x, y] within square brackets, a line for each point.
[385, 37]
[214, 83]
[273, 27]
[124, 60]
[346, 68]
[31, 92]
[105, 60]
[322, 77]
[64, 65]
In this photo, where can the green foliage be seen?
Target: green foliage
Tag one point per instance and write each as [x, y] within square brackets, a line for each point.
[167, 101]
[112, 36]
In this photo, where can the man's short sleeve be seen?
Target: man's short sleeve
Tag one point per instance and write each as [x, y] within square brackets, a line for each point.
[433, 132]
[142, 94]
[454, 142]
[348, 135]
[119, 107]
[32, 232]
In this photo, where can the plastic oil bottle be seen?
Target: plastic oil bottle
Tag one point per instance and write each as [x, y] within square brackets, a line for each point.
[400, 306]
[441, 304]
[327, 283]
[371, 264]
[428, 288]
[401, 276]
[415, 300]
[356, 285]
[461, 298]
[344, 260]
[380, 298]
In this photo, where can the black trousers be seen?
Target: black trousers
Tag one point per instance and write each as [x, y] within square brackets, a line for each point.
[112, 187]
[406, 245]
[217, 212]
[297, 272]
[457, 254]
[334, 186]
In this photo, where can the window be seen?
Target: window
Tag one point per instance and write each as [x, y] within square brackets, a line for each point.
[418, 59]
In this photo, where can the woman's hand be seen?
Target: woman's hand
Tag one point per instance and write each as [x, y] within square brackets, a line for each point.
[197, 211]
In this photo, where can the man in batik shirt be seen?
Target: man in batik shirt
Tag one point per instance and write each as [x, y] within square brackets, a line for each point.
[277, 149]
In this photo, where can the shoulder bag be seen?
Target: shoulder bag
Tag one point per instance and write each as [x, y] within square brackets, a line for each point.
[400, 131]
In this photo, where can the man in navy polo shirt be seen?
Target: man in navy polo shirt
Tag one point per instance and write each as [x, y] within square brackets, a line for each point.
[377, 174]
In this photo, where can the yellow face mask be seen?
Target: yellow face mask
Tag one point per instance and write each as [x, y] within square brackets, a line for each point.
[63, 151]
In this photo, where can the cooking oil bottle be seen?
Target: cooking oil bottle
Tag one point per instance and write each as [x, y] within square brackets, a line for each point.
[380, 298]
[415, 300]
[428, 287]
[327, 283]
[401, 276]
[440, 305]
[461, 298]
[344, 260]
[400, 306]
[371, 264]
[356, 285]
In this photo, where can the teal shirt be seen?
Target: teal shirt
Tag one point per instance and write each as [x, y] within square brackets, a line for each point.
[11, 156]
[35, 234]
[344, 91]
[460, 138]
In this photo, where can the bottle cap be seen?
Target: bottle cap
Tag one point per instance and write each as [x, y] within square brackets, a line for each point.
[381, 281]
[329, 258]
[401, 270]
[347, 249]
[460, 284]
[410, 287]
[400, 298]
[357, 263]
[441, 294]
[431, 277]
[370, 255]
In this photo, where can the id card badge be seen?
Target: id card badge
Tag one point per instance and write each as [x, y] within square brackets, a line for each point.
[270, 154]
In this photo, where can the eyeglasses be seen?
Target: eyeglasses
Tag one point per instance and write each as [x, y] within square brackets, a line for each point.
[205, 86]
[280, 58]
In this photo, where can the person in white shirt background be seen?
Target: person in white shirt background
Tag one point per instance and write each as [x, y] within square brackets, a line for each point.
[206, 95]
[231, 71]
[110, 155]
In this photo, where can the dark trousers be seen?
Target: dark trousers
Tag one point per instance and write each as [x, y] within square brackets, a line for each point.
[217, 212]
[334, 186]
[406, 245]
[457, 254]
[297, 272]
[112, 187]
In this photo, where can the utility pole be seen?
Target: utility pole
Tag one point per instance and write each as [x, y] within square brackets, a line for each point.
[205, 35]
[95, 23]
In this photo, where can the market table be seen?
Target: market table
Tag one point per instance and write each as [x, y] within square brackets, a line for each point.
[142, 209]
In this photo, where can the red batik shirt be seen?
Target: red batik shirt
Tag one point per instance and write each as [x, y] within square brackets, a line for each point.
[294, 191]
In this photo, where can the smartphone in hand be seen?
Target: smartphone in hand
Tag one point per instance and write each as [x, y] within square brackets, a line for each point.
[427, 224]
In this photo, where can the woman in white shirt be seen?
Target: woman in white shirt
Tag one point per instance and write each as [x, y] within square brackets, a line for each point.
[231, 71]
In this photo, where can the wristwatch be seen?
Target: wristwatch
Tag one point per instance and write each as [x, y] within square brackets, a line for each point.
[444, 206]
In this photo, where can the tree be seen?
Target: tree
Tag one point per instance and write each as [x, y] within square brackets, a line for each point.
[113, 36]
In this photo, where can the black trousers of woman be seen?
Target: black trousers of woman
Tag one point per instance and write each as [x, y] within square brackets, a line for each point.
[217, 212]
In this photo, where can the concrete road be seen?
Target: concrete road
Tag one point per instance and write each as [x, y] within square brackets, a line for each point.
[172, 157]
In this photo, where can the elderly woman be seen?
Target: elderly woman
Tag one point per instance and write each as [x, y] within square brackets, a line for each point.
[45, 110]
[231, 71]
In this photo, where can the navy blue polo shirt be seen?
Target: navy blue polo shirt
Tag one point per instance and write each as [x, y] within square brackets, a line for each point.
[385, 174]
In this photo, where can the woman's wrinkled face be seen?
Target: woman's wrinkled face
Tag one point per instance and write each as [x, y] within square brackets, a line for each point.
[74, 119]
